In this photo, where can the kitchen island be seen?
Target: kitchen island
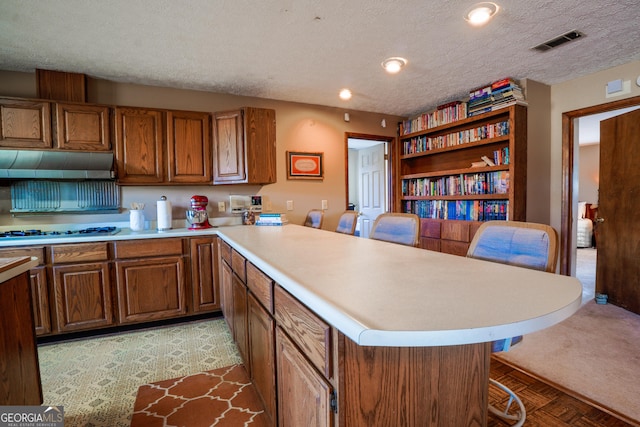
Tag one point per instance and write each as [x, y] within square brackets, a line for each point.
[407, 330]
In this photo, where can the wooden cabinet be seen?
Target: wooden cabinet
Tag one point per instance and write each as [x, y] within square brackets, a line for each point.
[203, 253]
[25, 123]
[150, 279]
[244, 146]
[436, 177]
[261, 331]
[19, 369]
[82, 127]
[188, 147]
[139, 146]
[81, 286]
[240, 331]
[448, 236]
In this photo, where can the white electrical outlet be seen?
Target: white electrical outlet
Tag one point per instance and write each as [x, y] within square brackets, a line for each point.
[325, 205]
[221, 207]
[289, 205]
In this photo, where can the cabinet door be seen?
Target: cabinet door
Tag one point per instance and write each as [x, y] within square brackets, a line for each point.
[25, 124]
[240, 333]
[229, 149]
[298, 381]
[82, 296]
[189, 147]
[40, 299]
[150, 289]
[82, 127]
[204, 274]
[262, 354]
[226, 279]
[139, 146]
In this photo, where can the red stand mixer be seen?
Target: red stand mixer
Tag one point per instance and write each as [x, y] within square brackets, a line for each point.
[197, 215]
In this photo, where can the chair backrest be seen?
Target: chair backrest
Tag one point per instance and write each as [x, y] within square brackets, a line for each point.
[347, 223]
[314, 218]
[524, 244]
[402, 228]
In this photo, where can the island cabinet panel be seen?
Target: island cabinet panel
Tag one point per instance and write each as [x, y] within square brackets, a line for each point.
[82, 127]
[39, 288]
[139, 148]
[426, 383]
[261, 286]
[189, 147]
[82, 296]
[240, 320]
[19, 368]
[226, 283]
[150, 278]
[25, 123]
[304, 395]
[203, 253]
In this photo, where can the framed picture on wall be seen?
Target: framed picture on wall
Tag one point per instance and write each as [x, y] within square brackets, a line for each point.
[302, 165]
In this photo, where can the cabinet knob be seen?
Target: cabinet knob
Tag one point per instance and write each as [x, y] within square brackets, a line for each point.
[599, 219]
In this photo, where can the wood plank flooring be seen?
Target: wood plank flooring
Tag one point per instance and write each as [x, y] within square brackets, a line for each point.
[547, 406]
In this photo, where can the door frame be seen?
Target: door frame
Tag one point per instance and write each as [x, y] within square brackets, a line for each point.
[568, 158]
[390, 140]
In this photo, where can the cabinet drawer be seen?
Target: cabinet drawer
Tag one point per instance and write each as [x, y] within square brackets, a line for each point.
[307, 330]
[225, 251]
[455, 230]
[84, 252]
[261, 286]
[148, 248]
[238, 265]
[37, 252]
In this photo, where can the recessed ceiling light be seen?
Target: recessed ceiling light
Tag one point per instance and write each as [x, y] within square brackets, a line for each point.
[394, 64]
[345, 94]
[481, 13]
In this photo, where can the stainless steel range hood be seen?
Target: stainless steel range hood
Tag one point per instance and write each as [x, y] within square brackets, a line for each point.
[36, 164]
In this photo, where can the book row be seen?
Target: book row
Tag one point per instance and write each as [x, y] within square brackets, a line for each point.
[422, 143]
[443, 115]
[458, 185]
[468, 210]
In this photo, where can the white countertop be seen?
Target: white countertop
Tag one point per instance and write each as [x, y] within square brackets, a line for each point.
[383, 294]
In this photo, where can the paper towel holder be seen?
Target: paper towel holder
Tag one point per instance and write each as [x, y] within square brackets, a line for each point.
[164, 214]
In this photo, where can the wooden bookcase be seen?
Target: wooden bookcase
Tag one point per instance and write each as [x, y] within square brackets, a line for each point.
[436, 179]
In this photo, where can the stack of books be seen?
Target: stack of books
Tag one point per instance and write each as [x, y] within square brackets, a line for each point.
[498, 94]
[272, 219]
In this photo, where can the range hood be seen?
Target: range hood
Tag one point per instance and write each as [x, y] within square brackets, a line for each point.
[35, 164]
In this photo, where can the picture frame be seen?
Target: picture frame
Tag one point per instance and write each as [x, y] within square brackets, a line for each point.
[303, 165]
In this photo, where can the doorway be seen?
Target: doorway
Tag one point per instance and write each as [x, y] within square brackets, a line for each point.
[573, 123]
[368, 178]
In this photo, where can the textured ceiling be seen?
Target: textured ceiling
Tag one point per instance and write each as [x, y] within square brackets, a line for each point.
[306, 50]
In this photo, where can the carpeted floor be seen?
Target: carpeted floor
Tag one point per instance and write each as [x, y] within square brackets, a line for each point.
[595, 353]
[96, 379]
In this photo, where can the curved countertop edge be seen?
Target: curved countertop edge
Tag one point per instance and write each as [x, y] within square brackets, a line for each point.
[365, 336]
[15, 271]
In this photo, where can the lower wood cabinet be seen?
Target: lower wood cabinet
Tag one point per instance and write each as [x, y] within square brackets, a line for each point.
[204, 274]
[262, 358]
[226, 279]
[240, 331]
[304, 396]
[40, 300]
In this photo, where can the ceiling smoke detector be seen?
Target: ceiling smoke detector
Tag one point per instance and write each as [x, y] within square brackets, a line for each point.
[560, 40]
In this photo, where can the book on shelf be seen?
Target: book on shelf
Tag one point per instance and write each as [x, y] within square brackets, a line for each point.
[488, 161]
[272, 219]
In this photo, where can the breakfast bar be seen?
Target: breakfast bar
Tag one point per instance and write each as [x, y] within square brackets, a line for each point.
[409, 328]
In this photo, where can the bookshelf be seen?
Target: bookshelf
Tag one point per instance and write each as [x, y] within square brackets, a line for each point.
[443, 177]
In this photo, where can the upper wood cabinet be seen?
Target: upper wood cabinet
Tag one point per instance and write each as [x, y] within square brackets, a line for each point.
[25, 123]
[162, 147]
[244, 146]
[82, 127]
[139, 146]
[189, 147]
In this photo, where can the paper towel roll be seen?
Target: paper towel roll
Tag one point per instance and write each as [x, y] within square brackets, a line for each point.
[164, 214]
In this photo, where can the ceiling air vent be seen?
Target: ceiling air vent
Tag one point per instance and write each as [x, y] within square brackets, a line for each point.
[557, 41]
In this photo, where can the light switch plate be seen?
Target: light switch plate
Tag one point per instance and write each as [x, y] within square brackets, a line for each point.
[289, 205]
[325, 205]
[221, 207]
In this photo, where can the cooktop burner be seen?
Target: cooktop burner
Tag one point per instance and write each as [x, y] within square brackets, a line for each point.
[30, 234]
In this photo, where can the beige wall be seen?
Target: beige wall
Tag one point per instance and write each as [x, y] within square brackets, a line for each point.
[299, 127]
[589, 173]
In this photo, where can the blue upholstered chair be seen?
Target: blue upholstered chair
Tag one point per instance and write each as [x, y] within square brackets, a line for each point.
[522, 244]
[401, 228]
[314, 218]
[347, 223]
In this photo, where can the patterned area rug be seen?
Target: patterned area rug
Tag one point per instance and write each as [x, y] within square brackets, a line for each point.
[223, 397]
[96, 379]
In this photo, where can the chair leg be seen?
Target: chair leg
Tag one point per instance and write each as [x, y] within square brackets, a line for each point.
[519, 415]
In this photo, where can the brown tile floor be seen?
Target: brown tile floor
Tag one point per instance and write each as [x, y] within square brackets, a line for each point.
[545, 405]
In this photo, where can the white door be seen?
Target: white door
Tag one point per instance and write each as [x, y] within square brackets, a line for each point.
[372, 197]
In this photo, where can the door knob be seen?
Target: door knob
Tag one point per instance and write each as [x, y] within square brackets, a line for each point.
[599, 219]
